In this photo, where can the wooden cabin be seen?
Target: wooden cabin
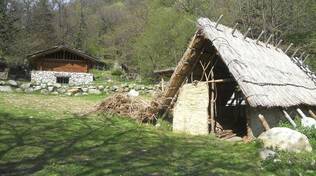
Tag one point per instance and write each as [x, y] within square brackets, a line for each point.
[62, 59]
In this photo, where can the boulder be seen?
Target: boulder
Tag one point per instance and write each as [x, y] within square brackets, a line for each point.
[285, 139]
[12, 83]
[61, 90]
[6, 89]
[84, 89]
[114, 88]
[94, 91]
[2, 83]
[19, 90]
[55, 93]
[57, 85]
[100, 87]
[25, 86]
[308, 122]
[133, 93]
[29, 90]
[44, 91]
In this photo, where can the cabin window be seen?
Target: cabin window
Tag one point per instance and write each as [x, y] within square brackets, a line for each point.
[62, 80]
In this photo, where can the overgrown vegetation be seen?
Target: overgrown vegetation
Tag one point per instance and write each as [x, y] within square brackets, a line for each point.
[51, 140]
[145, 34]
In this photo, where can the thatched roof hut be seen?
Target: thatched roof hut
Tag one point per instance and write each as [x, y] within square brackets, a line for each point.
[246, 75]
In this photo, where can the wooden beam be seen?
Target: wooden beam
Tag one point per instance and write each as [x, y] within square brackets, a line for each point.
[221, 80]
[312, 114]
[264, 122]
[260, 35]
[288, 117]
[212, 103]
[247, 32]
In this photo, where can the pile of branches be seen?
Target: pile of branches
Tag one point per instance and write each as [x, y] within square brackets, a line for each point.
[132, 107]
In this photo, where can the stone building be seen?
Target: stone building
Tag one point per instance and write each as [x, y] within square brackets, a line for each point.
[62, 64]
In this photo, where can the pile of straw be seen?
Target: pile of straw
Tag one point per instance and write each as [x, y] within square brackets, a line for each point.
[132, 107]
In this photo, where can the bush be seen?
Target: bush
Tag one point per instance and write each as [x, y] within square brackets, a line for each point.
[116, 72]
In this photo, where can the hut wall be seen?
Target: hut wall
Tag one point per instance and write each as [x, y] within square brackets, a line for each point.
[51, 77]
[62, 65]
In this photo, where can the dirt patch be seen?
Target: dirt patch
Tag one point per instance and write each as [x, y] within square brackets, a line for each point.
[49, 103]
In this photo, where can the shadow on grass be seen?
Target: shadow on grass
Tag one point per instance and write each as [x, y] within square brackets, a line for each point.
[113, 146]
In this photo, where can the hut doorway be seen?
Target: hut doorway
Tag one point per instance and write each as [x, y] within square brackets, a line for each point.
[227, 107]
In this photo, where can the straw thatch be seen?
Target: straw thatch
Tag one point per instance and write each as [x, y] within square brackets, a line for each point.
[265, 74]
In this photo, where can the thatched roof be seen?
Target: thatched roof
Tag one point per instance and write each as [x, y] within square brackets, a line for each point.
[63, 48]
[265, 74]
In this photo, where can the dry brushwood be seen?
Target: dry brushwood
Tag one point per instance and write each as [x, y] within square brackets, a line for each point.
[133, 107]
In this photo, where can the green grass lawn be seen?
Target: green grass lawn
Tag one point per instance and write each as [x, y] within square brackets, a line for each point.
[38, 138]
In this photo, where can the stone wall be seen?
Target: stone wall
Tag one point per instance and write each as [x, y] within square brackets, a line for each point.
[51, 77]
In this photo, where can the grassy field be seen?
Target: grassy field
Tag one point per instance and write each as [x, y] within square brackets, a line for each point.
[42, 135]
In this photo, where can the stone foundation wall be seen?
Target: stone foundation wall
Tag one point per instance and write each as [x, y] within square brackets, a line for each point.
[51, 77]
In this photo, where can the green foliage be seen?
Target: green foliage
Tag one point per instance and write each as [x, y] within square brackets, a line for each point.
[116, 72]
[164, 39]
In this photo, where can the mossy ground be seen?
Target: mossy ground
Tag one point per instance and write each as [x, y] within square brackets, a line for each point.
[42, 135]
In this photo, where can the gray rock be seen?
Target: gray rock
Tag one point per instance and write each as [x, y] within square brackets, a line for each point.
[43, 86]
[68, 94]
[12, 83]
[50, 88]
[84, 89]
[92, 87]
[44, 91]
[61, 90]
[55, 93]
[85, 94]
[77, 94]
[94, 91]
[6, 89]
[2, 83]
[114, 88]
[29, 90]
[50, 84]
[57, 85]
[100, 87]
[267, 154]
[285, 139]
[25, 86]
[37, 88]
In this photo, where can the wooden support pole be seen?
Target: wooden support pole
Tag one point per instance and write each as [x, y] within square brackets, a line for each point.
[221, 80]
[301, 56]
[235, 28]
[306, 58]
[288, 117]
[301, 113]
[269, 39]
[288, 48]
[277, 46]
[218, 20]
[312, 114]
[212, 104]
[264, 122]
[260, 35]
[247, 32]
[294, 52]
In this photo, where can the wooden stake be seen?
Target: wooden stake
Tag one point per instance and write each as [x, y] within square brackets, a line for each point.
[294, 52]
[212, 102]
[245, 35]
[264, 122]
[306, 58]
[220, 80]
[235, 28]
[301, 113]
[258, 39]
[301, 56]
[269, 39]
[312, 114]
[288, 117]
[277, 46]
[288, 48]
[218, 20]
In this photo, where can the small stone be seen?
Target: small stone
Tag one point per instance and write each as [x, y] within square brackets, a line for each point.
[114, 88]
[43, 86]
[84, 89]
[133, 93]
[37, 88]
[50, 89]
[61, 90]
[12, 83]
[267, 154]
[73, 91]
[50, 84]
[85, 94]
[29, 90]
[68, 94]
[100, 87]
[94, 91]
[44, 91]
[57, 85]
[2, 83]
[77, 94]
[55, 93]
[6, 89]
[25, 86]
